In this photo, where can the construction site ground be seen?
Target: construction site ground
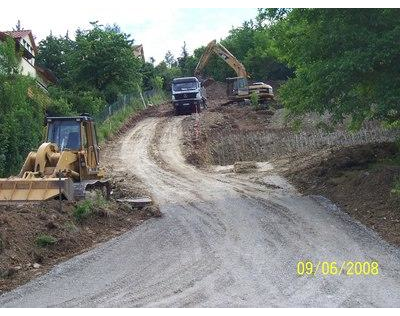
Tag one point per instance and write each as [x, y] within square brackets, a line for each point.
[21, 225]
[244, 198]
[358, 177]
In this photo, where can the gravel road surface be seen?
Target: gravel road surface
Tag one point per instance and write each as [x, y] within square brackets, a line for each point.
[225, 240]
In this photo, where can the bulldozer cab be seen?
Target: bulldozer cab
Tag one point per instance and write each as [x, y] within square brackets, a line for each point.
[74, 134]
[236, 87]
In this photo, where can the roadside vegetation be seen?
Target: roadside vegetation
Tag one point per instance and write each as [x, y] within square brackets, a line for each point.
[45, 240]
[89, 79]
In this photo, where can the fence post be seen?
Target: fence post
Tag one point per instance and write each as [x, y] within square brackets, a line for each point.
[109, 114]
[141, 96]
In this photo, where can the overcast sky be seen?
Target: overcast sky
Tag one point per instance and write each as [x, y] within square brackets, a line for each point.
[159, 30]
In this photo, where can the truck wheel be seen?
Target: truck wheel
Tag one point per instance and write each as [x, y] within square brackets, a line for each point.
[177, 111]
[198, 108]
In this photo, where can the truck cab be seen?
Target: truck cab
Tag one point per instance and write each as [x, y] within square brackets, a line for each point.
[188, 95]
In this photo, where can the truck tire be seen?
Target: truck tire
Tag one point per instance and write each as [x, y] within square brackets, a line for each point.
[198, 108]
[177, 111]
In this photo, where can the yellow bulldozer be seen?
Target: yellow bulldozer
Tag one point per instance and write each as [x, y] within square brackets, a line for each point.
[65, 166]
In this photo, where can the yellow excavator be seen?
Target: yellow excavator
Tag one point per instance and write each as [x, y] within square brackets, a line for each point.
[65, 166]
[238, 88]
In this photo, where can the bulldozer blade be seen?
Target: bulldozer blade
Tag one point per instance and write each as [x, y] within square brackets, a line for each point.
[22, 190]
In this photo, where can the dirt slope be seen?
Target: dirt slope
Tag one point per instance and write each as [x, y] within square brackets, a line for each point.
[224, 240]
[356, 171]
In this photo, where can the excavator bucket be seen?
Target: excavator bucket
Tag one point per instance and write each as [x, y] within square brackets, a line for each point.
[23, 190]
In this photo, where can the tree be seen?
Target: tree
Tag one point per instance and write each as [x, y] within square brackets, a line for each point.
[102, 60]
[95, 68]
[170, 59]
[346, 61]
[53, 54]
[9, 60]
[21, 111]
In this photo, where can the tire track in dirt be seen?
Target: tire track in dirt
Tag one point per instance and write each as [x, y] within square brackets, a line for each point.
[224, 240]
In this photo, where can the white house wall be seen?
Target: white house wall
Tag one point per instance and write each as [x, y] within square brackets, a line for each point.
[27, 67]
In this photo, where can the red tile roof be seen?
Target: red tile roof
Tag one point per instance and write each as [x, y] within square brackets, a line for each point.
[22, 33]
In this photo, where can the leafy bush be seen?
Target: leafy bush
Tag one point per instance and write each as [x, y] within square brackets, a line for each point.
[45, 240]
[22, 106]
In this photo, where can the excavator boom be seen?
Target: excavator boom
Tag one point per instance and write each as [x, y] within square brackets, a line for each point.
[226, 55]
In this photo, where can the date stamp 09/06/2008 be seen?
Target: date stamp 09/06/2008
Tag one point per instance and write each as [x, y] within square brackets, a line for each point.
[327, 268]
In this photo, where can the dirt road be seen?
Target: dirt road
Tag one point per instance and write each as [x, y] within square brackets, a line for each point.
[224, 240]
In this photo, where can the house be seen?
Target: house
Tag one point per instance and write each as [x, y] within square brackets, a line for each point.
[25, 43]
[138, 51]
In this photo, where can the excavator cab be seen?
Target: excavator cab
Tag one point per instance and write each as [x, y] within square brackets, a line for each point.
[237, 87]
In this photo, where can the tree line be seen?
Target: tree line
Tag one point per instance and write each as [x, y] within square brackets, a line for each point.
[345, 62]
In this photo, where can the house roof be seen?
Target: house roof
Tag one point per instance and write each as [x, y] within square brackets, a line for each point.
[46, 74]
[22, 33]
[138, 50]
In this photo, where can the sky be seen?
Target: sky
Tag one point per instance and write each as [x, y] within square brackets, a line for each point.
[158, 29]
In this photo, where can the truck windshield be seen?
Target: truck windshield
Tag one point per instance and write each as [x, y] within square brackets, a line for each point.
[184, 86]
[66, 134]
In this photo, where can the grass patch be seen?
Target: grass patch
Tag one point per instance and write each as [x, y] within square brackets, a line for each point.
[396, 187]
[45, 240]
[71, 227]
[83, 210]
[113, 123]
[95, 205]
[158, 98]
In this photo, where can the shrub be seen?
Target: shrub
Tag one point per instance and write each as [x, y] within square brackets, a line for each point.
[255, 100]
[83, 210]
[45, 240]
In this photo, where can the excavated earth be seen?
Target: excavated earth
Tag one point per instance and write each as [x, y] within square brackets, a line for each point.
[230, 236]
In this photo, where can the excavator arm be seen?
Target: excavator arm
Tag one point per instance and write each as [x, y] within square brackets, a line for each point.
[226, 55]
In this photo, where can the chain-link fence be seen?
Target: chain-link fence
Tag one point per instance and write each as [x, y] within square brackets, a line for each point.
[137, 99]
[122, 102]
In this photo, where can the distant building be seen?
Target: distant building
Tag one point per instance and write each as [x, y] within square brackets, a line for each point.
[138, 51]
[25, 43]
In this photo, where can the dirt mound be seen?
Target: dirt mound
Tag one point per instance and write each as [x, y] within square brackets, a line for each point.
[34, 237]
[359, 179]
[216, 94]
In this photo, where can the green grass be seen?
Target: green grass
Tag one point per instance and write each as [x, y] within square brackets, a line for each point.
[158, 98]
[71, 227]
[255, 101]
[95, 205]
[45, 240]
[396, 187]
[112, 124]
[83, 210]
